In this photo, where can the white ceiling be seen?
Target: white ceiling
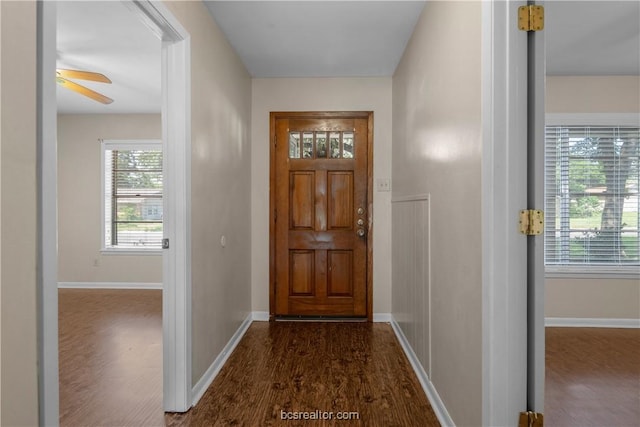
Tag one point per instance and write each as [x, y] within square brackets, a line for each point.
[316, 38]
[108, 38]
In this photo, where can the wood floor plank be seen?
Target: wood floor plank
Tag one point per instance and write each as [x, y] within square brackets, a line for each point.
[110, 364]
[592, 377]
[303, 367]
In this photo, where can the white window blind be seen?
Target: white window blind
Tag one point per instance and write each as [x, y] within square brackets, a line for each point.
[132, 195]
[592, 177]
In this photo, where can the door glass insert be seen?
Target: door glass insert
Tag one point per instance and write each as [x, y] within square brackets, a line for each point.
[347, 145]
[294, 145]
[335, 145]
[307, 145]
[321, 144]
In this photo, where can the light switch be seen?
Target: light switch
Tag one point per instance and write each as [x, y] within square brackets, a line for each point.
[383, 184]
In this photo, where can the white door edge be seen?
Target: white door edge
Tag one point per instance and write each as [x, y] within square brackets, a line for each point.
[47, 164]
[176, 145]
[504, 117]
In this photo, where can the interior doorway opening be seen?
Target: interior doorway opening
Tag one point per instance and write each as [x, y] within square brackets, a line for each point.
[175, 275]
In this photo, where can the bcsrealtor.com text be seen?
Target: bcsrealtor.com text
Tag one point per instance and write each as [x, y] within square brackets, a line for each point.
[319, 415]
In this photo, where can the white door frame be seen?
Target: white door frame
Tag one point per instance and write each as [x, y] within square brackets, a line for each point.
[176, 123]
[504, 193]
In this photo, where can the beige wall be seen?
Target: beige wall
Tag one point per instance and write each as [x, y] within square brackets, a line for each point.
[325, 94]
[79, 199]
[437, 151]
[592, 297]
[19, 388]
[220, 186]
[592, 94]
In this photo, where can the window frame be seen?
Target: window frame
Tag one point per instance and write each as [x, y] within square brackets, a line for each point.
[587, 271]
[123, 144]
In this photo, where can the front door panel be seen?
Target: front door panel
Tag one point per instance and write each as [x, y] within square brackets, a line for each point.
[321, 221]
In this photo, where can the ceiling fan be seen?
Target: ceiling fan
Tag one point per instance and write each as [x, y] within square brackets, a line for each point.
[62, 77]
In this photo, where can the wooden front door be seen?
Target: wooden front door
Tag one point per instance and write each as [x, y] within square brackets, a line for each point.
[320, 216]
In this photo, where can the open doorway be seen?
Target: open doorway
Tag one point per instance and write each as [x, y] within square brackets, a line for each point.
[175, 276]
[592, 286]
[110, 190]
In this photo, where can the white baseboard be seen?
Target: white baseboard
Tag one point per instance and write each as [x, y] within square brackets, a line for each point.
[109, 285]
[579, 322]
[434, 398]
[203, 384]
[382, 317]
[260, 316]
[263, 316]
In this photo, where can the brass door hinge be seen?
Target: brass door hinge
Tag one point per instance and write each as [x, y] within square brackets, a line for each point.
[531, 18]
[531, 419]
[531, 222]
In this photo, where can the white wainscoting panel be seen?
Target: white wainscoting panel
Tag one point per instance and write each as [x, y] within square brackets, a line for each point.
[432, 394]
[411, 274]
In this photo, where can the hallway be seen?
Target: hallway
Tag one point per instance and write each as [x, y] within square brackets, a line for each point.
[356, 371]
[111, 370]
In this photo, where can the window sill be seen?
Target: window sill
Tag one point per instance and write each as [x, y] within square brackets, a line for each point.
[592, 272]
[131, 251]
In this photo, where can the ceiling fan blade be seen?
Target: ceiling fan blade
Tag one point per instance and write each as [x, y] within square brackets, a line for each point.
[83, 90]
[83, 75]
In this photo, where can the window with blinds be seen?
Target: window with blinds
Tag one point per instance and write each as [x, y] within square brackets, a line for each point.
[132, 195]
[592, 177]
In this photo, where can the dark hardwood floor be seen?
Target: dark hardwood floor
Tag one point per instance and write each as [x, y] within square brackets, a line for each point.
[111, 372]
[110, 357]
[293, 367]
[592, 377]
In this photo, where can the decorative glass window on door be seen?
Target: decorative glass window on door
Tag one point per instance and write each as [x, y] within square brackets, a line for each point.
[321, 145]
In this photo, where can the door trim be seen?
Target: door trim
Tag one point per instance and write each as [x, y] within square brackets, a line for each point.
[272, 197]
